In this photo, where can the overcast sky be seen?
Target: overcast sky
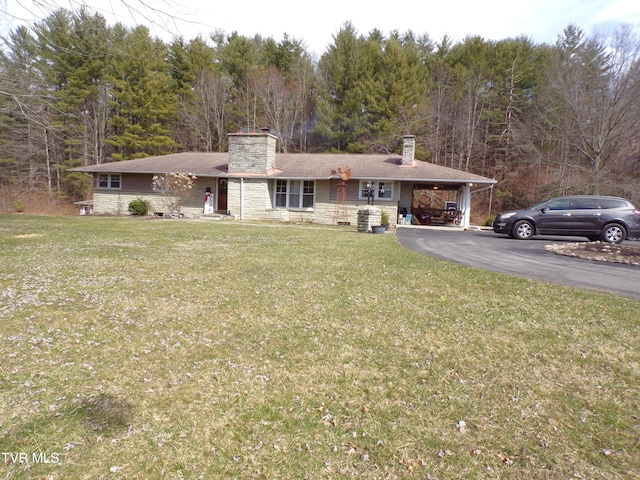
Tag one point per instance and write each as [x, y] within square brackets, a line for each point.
[316, 23]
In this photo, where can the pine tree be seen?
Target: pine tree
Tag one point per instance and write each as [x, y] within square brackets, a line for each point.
[144, 96]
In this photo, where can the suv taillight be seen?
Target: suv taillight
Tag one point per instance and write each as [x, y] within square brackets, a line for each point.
[637, 212]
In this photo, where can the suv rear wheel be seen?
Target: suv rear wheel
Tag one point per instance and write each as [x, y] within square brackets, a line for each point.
[523, 230]
[614, 233]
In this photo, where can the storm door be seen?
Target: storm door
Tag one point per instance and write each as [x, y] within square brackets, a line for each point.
[222, 195]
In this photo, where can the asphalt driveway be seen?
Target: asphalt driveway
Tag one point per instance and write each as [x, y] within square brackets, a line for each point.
[524, 258]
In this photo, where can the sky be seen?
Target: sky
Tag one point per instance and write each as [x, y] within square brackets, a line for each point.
[316, 23]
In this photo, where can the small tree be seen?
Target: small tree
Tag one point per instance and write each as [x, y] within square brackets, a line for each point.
[174, 188]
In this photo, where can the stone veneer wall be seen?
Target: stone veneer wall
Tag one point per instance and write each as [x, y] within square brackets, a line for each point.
[408, 149]
[116, 202]
[257, 203]
[251, 152]
[258, 198]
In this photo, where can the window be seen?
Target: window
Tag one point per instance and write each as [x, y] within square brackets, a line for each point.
[559, 204]
[611, 203]
[308, 193]
[109, 180]
[584, 204]
[281, 194]
[381, 190]
[294, 194]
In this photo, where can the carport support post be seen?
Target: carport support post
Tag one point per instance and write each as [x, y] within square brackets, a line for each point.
[465, 221]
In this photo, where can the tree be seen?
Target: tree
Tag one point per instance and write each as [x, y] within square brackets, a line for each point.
[238, 58]
[205, 95]
[143, 96]
[22, 104]
[470, 62]
[588, 112]
[441, 99]
[77, 57]
[284, 91]
[341, 107]
[516, 77]
[374, 89]
[405, 84]
[174, 188]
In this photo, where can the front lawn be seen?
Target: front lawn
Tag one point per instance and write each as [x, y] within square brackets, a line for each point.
[150, 348]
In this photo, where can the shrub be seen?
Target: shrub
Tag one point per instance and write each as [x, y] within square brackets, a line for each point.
[139, 207]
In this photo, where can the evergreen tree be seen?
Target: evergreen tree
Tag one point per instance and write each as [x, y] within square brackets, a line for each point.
[238, 58]
[342, 116]
[541, 119]
[144, 96]
[22, 163]
[375, 90]
[405, 84]
[470, 62]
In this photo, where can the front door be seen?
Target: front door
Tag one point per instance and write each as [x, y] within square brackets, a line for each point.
[222, 195]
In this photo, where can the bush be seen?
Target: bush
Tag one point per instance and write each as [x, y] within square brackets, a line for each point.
[139, 207]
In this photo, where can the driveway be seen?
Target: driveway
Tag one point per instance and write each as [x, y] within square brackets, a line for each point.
[524, 258]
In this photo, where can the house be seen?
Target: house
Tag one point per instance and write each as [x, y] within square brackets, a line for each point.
[253, 182]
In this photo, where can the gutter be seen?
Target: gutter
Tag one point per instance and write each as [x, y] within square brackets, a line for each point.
[483, 189]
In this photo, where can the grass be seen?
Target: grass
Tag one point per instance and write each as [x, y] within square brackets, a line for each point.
[136, 348]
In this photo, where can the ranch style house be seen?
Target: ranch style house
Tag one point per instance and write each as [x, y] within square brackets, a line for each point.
[253, 182]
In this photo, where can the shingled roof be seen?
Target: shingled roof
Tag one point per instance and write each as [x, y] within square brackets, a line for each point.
[294, 166]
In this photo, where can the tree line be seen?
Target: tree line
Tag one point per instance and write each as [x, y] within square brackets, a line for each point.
[543, 119]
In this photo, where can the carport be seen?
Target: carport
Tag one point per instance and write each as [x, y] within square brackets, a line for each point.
[442, 202]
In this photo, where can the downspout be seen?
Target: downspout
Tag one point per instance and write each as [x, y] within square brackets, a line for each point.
[241, 198]
[483, 189]
[490, 187]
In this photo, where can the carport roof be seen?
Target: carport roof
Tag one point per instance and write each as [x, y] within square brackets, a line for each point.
[295, 166]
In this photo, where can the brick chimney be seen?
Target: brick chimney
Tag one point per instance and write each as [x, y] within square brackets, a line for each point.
[251, 152]
[408, 149]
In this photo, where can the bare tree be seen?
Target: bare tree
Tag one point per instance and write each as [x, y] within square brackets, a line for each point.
[590, 104]
[174, 188]
[206, 112]
[285, 102]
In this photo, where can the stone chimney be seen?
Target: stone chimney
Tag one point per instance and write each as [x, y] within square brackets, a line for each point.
[251, 152]
[408, 149]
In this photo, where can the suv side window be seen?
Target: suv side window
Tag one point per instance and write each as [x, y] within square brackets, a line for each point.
[584, 204]
[611, 203]
[559, 204]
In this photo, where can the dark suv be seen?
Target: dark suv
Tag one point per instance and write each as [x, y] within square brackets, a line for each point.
[610, 219]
